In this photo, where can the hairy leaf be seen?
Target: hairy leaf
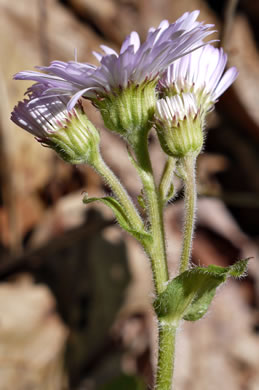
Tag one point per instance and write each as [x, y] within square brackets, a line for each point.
[120, 215]
[189, 295]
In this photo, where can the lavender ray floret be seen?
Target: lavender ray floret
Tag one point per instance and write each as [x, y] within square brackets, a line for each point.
[135, 62]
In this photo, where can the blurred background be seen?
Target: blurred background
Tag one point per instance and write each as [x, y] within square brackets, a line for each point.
[75, 291]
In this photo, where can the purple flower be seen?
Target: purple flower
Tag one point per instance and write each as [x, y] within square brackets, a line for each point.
[136, 63]
[69, 133]
[39, 114]
[200, 72]
[189, 89]
[177, 108]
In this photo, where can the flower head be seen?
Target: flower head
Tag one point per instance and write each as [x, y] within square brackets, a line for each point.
[70, 134]
[189, 89]
[199, 72]
[178, 121]
[136, 63]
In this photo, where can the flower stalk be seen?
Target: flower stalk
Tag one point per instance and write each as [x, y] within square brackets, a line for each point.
[166, 355]
[190, 197]
[167, 327]
[156, 249]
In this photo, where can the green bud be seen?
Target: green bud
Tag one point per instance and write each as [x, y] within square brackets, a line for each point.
[179, 123]
[76, 140]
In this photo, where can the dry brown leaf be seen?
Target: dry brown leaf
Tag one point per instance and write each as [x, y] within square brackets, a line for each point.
[32, 338]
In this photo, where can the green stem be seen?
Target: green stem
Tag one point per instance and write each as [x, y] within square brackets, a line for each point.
[188, 164]
[120, 193]
[165, 366]
[156, 250]
[167, 330]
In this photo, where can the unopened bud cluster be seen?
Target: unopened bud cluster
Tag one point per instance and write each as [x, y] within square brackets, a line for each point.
[76, 140]
[69, 133]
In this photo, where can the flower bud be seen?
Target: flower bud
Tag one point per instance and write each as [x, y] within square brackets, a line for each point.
[200, 72]
[69, 133]
[178, 124]
[77, 140]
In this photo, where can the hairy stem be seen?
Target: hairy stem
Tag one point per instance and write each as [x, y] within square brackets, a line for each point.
[154, 199]
[165, 366]
[190, 193]
[156, 250]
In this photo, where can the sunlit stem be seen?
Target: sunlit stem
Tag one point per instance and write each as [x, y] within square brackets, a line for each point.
[165, 365]
[156, 249]
[167, 329]
[190, 196]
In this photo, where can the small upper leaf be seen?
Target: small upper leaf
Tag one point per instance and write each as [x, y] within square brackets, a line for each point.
[120, 215]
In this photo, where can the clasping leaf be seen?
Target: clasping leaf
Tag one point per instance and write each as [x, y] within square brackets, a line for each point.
[189, 295]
